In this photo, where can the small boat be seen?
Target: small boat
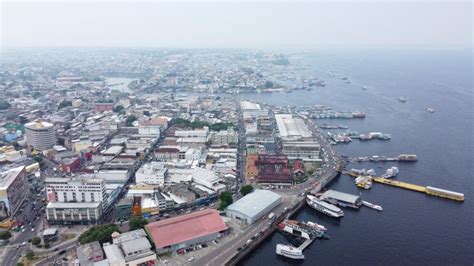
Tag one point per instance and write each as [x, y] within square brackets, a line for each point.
[289, 252]
[364, 88]
[372, 206]
[403, 100]
[429, 110]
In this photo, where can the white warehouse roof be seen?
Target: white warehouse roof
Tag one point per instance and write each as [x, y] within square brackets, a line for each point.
[253, 203]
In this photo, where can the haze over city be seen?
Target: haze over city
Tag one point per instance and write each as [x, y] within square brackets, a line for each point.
[229, 24]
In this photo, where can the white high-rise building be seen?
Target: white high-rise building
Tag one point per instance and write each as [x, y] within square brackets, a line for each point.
[153, 173]
[85, 188]
[75, 200]
[40, 135]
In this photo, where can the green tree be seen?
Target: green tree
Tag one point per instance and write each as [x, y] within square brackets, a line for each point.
[20, 264]
[101, 233]
[64, 104]
[5, 235]
[137, 222]
[4, 105]
[30, 255]
[268, 84]
[118, 108]
[244, 190]
[36, 241]
[130, 120]
[226, 200]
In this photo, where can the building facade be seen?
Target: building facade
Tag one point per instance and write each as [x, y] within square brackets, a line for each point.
[13, 191]
[40, 135]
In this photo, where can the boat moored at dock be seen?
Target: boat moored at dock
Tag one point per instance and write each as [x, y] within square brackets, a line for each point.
[289, 252]
[372, 206]
[324, 207]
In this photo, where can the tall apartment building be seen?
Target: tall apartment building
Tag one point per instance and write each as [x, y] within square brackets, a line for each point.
[13, 190]
[75, 200]
[40, 135]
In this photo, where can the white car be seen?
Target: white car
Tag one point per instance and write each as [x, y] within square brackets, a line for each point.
[191, 259]
[32, 229]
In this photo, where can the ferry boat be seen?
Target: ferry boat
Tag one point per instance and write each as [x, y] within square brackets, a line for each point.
[300, 229]
[372, 206]
[289, 252]
[391, 172]
[324, 207]
[364, 182]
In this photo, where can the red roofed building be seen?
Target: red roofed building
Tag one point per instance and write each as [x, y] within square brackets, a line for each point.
[298, 167]
[181, 232]
[273, 169]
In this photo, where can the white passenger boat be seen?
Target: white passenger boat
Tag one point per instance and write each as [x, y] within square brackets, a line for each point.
[289, 252]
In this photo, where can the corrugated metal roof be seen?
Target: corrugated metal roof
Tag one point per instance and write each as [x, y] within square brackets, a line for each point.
[255, 202]
[176, 230]
[341, 196]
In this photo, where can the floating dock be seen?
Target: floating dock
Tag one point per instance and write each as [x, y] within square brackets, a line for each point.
[433, 191]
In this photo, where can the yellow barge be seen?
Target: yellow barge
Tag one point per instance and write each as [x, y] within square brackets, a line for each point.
[443, 193]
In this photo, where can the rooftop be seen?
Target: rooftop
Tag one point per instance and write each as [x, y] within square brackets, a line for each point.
[38, 124]
[254, 202]
[7, 177]
[136, 245]
[289, 126]
[341, 196]
[176, 230]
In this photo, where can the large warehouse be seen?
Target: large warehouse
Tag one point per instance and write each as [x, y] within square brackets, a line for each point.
[181, 232]
[253, 206]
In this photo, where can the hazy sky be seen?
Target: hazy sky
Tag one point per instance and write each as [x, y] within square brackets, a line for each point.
[236, 24]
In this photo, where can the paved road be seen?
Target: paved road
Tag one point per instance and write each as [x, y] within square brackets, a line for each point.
[32, 220]
[53, 258]
[224, 252]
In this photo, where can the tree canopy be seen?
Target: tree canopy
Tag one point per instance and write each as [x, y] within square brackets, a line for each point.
[226, 200]
[4, 105]
[244, 190]
[101, 233]
[130, 120]
[137, 222]
[5, 235]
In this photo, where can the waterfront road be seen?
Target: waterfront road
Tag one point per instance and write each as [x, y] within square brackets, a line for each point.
[224, 252]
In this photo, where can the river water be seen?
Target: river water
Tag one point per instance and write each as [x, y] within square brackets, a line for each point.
[414, 228]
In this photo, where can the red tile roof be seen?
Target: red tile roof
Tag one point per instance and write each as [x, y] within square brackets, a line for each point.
[178, 229]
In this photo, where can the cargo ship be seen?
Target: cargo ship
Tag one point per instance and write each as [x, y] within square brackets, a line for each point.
[324, 207]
